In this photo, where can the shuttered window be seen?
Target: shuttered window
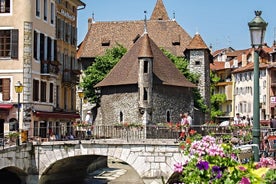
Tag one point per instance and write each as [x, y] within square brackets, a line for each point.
[42, 46]
[35, 90]
[9, 43]
[35, 45]
[5, 88]
[5, 6]
[43, 88]
[51, 94]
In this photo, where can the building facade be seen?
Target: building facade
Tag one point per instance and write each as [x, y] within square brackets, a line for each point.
[153, 92]
[32, 53]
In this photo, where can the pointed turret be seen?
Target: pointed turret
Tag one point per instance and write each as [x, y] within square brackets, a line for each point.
[199, 57]
[197, 43]
[159, 12]
[145, 51]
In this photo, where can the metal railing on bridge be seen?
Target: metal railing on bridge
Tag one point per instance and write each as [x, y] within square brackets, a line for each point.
[138, 132]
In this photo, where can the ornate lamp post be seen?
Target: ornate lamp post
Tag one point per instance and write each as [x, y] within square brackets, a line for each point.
[81, 95]
[18, 89]
[257, 29]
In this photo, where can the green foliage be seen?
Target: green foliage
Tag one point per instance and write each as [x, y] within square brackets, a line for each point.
[99, 69]
[270, 176]
[103, 64]
[216, 99]
[182, 64]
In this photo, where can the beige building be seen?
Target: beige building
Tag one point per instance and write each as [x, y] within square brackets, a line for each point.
[37, 48]
[236, 70]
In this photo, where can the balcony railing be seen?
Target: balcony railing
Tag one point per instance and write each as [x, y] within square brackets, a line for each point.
[49, 67]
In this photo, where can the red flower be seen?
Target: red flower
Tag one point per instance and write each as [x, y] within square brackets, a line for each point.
[192, 132]
[188, 141]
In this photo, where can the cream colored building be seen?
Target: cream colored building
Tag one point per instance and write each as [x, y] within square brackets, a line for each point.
[33, 52]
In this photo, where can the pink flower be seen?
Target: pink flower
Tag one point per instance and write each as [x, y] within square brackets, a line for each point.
[245, 181]
[178, 167]
[241, 168]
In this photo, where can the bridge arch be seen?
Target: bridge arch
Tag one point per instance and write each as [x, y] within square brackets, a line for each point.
[151, 161]
[13, 174]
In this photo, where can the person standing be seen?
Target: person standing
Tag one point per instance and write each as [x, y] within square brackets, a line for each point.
[237, 119]
[190, 119]
[88, 118]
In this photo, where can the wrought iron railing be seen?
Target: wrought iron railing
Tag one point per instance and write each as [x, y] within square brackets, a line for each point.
[128, 133]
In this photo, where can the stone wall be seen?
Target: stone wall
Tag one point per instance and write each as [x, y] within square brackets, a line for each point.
[125, 99]
[119, 99]
[176, 100]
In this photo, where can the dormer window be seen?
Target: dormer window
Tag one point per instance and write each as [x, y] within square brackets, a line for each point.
[176, 40]
[105, 42]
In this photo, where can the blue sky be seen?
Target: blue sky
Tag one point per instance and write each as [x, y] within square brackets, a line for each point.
[222, 23]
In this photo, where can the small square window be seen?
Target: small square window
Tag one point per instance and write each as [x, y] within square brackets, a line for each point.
[197, 62]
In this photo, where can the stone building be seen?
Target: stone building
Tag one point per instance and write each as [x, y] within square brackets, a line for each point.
[144, 87]
[199, 57]
[101, 36]
[168, 34]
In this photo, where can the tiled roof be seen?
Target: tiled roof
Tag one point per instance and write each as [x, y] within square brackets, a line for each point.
[125, 72]
[166, 34]
[159, 12]
[249, 67]
[217, 65]
[197, 43]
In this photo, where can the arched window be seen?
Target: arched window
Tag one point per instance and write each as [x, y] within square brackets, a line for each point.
[145, 96]
[168, 115]
[121, 116]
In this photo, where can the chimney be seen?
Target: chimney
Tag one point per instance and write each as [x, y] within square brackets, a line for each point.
[244, 60]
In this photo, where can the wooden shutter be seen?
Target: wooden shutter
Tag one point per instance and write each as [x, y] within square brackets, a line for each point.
[6, 89]
[14, 44]
[55, 50]
[35, 45]
[49, 48]
[35, 90]
[42, 47]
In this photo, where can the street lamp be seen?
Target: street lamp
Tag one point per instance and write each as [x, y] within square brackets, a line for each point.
[81, 95]
[18, 89]
[257, 29]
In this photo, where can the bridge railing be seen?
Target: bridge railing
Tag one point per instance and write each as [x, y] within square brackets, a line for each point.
[138, 132]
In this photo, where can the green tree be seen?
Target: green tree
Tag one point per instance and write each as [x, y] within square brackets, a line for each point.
[216, 99]
[103, 64]
[182, 65]
[99, 69]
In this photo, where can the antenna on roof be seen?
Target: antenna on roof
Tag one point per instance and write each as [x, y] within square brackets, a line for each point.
[145, 23]
[228, 41]
[173, 16]
[93, 17]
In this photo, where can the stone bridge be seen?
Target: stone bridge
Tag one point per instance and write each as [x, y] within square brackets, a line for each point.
[38, 162]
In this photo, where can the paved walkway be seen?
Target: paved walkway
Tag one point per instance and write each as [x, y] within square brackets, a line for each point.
[117, 172]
